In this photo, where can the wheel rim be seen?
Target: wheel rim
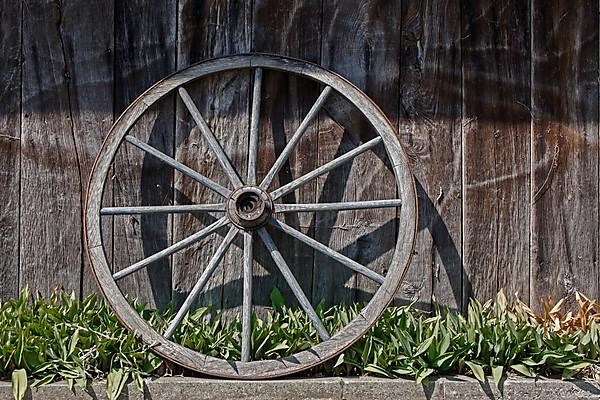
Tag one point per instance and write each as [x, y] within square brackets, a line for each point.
[330, 346]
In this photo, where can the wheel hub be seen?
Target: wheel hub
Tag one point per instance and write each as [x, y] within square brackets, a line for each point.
[249, 207]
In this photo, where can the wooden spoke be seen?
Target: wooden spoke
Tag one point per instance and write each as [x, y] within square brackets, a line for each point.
[178, 209]
[214, 186]
[285, 154]
[285, 189]
[247, 297]
[293, 283]
[188, 241]
[202, 281]
[254, 122]
[211, 139]
[342, 259]
[353, 205]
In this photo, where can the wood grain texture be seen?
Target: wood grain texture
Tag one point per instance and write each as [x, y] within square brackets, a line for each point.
[88, 41]
[361, 42]
[192, 208]
[496, 127]
[254, 138]
[70, 67]
[335, 163]
[209, 269]
[206, 30]
[208, 135]
[357, 205]
[57, 152]
[430, 112]
[180, 167]
[10, 146]
[290, 146]
[564, 222]
[248, 276]
[174, 248]
[292, 28]
[323, 249]
[293, 283]
[145, 52]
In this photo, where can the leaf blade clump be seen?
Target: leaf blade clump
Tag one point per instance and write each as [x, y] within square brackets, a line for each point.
[64, 338]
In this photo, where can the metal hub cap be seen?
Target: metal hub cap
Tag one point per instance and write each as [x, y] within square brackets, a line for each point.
[249, 207]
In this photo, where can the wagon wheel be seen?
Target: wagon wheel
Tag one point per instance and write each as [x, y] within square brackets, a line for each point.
[247, 207]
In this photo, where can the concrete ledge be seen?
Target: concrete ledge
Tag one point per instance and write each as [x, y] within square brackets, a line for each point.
[456, 387]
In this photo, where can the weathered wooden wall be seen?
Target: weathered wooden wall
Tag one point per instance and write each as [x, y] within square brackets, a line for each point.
[497, 103]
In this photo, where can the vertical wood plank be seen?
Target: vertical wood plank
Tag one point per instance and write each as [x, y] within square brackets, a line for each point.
[292, 28]
[430, 112]
[145, 36]
[10, 146]
[88, 40]
[361, 42]
[205, 30]
[496, 147]
[54, 153]
[564, 222]
[67, 109]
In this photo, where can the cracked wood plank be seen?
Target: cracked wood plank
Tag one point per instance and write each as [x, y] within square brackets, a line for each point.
[206, 30]
[50, 255]
[430, 111]
[495, 67]
[10, 146]
[285, 102]
[361, 41]
[145, 40]
[88, 43]
[564, 231]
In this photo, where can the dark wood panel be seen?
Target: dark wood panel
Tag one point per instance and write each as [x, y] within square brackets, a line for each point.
[145, 37]
[564, 242]
[496, 128]
[430, 112]
[88, 40]
[361, 42]
[416, 59]
[52, 177]
[10, 146]
[205, 30]
[291, 28]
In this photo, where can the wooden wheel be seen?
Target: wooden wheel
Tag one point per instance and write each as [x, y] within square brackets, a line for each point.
[247, 207]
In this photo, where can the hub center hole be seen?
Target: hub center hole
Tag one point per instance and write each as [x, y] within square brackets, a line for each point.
[248, 203]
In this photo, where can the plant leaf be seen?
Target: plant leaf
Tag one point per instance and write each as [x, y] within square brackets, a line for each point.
[339, 361]
[497, 373]
[477, 370]
[277, 300]
[278, 347]
[139, 381]
[44, 381]
[376, 369]
[115, 383]
[19, 383]
[523, 370]
[421, 377]
[424, 346]
[73, 342]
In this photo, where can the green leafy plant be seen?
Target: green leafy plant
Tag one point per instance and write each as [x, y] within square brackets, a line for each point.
[64, 338]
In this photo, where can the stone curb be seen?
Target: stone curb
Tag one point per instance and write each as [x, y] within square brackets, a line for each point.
[456, 387]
